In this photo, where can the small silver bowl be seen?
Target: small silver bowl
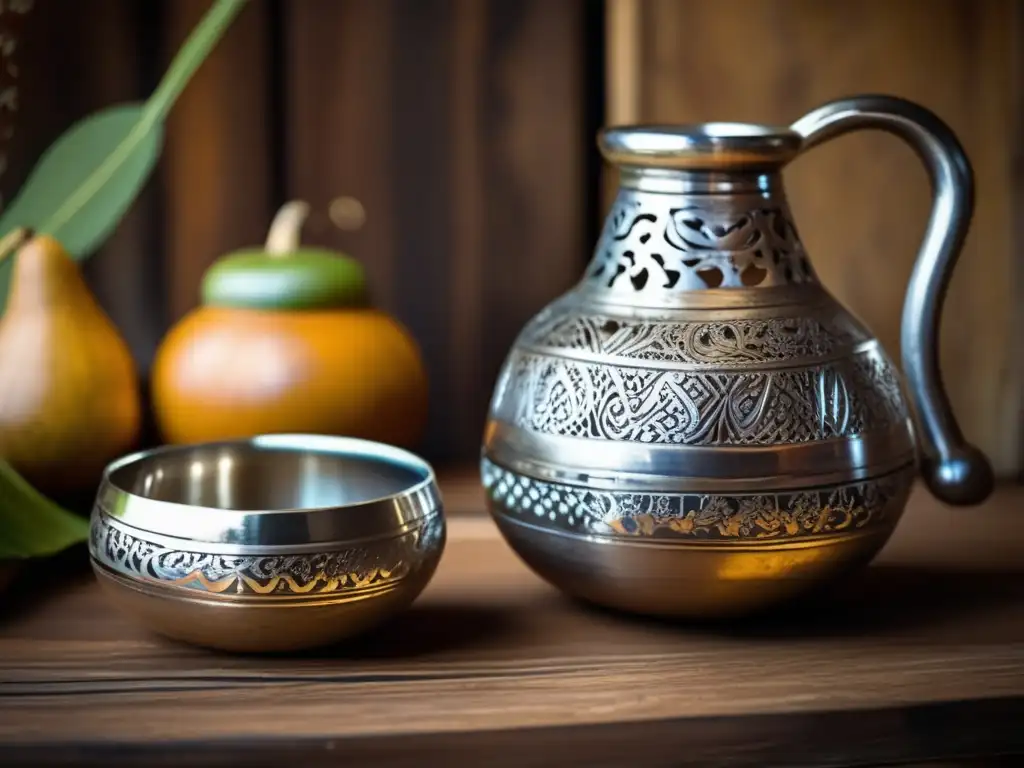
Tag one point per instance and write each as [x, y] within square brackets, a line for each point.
[275, 543]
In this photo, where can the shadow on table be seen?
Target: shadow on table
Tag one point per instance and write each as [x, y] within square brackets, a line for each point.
[899, 597]
[424, 630]
[32, 582]
[885, 599]
[880, 600]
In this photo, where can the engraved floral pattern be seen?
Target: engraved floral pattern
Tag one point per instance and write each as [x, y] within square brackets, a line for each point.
[832, 510]
[727, 343]
[555, 396]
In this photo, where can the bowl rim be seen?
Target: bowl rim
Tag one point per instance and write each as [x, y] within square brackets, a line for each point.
[274, 528]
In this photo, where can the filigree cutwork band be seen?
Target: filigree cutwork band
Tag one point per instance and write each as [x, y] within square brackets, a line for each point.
[649, 243]
[832, 510]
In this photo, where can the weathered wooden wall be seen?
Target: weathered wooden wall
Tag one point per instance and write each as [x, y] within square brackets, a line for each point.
[460, 127]
[862, 202]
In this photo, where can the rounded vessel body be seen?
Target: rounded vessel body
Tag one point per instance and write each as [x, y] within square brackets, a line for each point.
[698, 428]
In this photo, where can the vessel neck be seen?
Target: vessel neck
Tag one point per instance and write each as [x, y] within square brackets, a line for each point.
[672, 236]
[668, 181]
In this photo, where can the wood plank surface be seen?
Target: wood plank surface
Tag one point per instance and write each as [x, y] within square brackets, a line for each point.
[920, 657]
[861, 203]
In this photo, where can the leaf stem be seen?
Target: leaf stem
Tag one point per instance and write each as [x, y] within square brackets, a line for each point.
[194, 51]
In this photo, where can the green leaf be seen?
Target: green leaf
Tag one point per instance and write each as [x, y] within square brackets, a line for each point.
[30, 524]
[89, 178]
[98, 140]
[67, 176]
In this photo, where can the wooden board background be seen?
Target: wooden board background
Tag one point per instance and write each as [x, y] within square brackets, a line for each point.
[861, 203]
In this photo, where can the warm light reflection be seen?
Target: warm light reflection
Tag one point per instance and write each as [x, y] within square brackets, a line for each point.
[769, 565]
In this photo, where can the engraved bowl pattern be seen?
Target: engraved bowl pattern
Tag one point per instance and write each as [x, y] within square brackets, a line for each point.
[376, 564]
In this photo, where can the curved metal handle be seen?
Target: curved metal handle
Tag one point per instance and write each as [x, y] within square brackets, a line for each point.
[955, 471]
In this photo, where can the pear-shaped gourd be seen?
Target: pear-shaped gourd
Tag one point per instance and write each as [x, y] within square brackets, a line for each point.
[69, 392]
[286, 341]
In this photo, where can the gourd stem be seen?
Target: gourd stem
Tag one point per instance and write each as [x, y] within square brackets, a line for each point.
[286, 230]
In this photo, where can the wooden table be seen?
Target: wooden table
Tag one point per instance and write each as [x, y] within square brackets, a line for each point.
[921, 659]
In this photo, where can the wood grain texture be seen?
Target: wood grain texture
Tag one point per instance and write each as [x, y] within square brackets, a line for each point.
[1017, 208]
[74, 59]
[862, 202]
[920, 657]
[216, 163]
[457, 125]
[862, 738]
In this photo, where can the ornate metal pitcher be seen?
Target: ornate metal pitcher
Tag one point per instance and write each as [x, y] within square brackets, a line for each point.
[698, 427]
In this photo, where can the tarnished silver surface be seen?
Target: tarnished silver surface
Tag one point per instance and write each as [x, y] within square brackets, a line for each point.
[273, 543]
[700, 373]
